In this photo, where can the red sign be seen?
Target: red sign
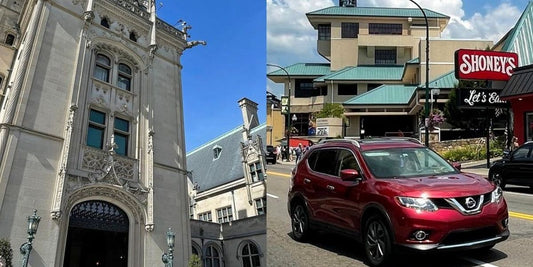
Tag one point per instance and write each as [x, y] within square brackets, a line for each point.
[484, 65]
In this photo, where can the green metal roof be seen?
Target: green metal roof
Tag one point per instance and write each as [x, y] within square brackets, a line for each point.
[365, 73]
[303, 69]
[413, 61]
[447, 80]
[521, 37]
[397, 94]
[376, 12]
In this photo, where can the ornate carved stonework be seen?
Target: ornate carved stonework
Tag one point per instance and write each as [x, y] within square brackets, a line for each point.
[117, 51]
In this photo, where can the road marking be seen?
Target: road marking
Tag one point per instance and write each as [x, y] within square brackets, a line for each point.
[479, 263]
[272, 196]
[279, 174]
[520, 215]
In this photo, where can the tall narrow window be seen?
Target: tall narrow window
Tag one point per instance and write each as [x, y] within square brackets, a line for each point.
[96, 130]
[10, 39]
[260, 205]
[250, 255]
[256, 172]
[212, 257]
[122, 134]
[102, 68]
[133, 36]
[324, 32]
[104, 23]
[124, 77]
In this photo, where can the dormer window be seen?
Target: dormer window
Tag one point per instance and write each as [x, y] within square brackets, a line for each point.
[133, 36]
[104, 23]
[10, 39]
[217, 150]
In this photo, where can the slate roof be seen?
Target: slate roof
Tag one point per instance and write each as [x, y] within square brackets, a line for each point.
[210, 173]
[397, 94]
[365, 73]
[520, 38]
[304, 69]
[376, 12]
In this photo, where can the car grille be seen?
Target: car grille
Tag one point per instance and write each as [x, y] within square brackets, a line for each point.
[459, 237]
[466, 205]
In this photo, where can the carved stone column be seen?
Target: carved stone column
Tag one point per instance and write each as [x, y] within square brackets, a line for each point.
[149, 226]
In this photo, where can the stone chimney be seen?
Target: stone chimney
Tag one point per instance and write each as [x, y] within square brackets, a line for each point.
[249, 114]
[348, 3]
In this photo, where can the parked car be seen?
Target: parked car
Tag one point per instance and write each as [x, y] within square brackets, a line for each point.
[394, 193]
[514, 168]
[271, 154]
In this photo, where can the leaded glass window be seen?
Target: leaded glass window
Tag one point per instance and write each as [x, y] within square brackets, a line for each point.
[224, 214]
[250, 255]
[124, 77]
[96, 130]
[212, 258]
[102, 68]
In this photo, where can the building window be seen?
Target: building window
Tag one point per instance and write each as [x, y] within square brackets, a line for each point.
[261, 206]
[121, 136]
[347, 89]
[385, 56]
[133, 36]
[256, 172]
[529, 126]
[305, 88]
[217, 150]
[96, 131]
[206, 216]
[102, 68]
[212, 257]
[104, 23]
[124, 77]
[324, 32]
[224, 215]
[385, 28]
[349, 30]
[250, 255]
[10, 39]
[372, 86]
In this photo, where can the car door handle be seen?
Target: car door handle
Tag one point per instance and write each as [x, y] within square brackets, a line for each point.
[306, 180]
[330, 187]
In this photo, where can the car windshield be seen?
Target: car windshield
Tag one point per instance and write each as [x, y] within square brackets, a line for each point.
[406, 162]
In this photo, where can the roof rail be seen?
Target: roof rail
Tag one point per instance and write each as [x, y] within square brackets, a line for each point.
[352, 141]
[394, 138]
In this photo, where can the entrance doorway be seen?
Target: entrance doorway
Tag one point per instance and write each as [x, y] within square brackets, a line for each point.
[97, 235]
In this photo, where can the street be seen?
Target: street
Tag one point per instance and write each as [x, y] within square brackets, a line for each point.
[326, 249]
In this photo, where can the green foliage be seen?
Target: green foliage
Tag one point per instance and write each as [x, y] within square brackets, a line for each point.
[6, 252]
[195, 261]
[473, 152]
[331, 110]
[464, 118]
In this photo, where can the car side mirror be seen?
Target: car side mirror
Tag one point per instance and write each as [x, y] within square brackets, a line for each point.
[457, 165]
[506, 154]
[350, 175]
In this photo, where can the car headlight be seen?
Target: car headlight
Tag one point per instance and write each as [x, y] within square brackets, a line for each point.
[420, 203]
[496, 195]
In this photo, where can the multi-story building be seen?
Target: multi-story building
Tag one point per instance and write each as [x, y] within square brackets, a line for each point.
[92, 132]
[228, 195]
[376, 67]
[275, 121]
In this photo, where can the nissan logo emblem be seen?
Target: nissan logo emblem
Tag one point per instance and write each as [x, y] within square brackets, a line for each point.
[470, 202]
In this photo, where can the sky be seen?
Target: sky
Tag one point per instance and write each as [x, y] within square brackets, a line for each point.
[291, 38]
[230, 67]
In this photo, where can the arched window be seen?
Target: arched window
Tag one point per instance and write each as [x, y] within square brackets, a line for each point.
[104, 22]
[124, 77]
[133, 36]
[102, 68]
[10, 39]
[212, 257]
[250, 255]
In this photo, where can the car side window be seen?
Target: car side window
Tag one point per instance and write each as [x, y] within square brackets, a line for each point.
[521, 153]
[347, 161]
[324, 161]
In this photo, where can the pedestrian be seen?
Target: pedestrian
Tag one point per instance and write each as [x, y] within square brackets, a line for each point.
[278, 152]
[514, 143]
[298, 151]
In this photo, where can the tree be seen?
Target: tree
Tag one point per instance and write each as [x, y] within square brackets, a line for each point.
[331, 110]
[6, 253]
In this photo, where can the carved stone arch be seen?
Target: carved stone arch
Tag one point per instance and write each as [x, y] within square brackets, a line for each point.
[121, 52]
[112, 194]
[197, 247]
[216, 246]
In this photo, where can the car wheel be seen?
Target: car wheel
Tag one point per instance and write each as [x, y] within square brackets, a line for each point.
[377, 241]
[300, 222]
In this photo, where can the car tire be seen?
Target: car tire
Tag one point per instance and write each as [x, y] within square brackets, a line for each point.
[377, 241]
[299, 222]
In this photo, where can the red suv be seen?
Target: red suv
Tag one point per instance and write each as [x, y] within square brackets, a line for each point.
[394, 193]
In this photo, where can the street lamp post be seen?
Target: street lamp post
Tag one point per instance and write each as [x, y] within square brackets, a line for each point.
[25, 249]
[168, 259]
[426, 105]
[288, 105]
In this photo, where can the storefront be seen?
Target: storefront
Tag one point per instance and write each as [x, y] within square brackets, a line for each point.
[519, 92]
